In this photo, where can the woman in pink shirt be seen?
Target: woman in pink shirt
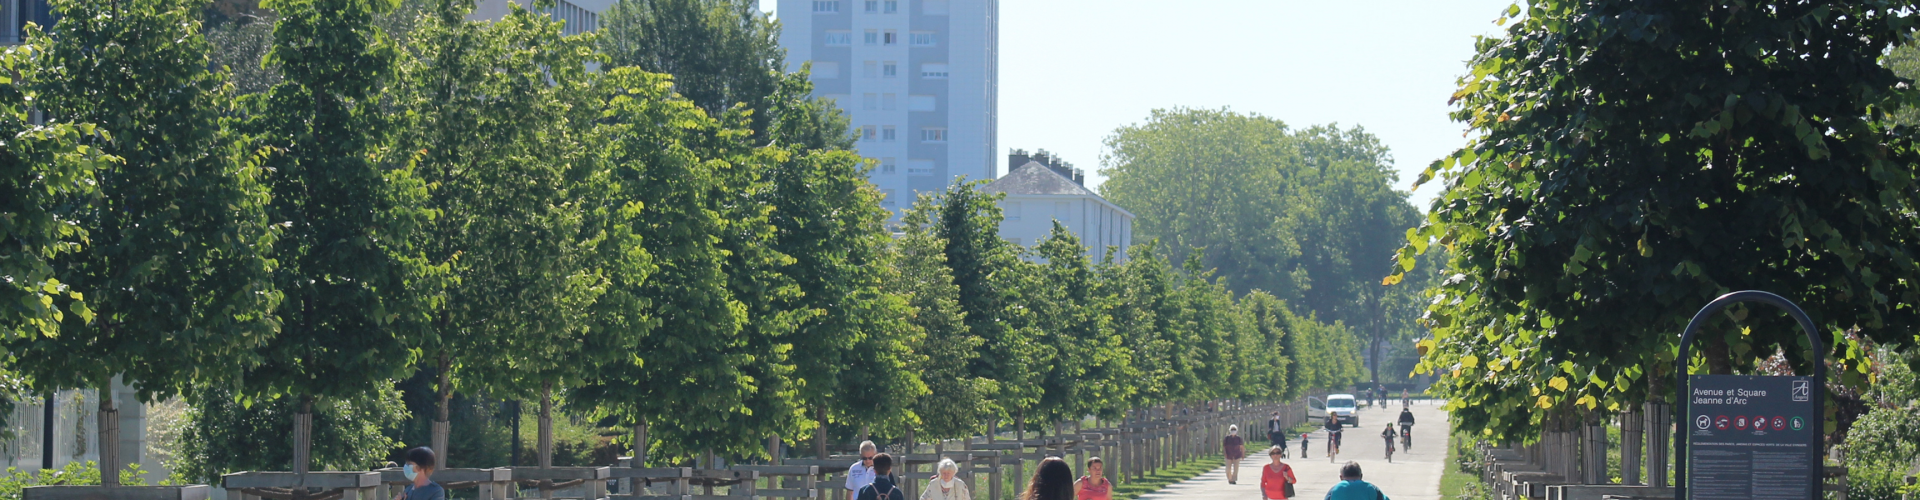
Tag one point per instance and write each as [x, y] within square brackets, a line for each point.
[1094, 485]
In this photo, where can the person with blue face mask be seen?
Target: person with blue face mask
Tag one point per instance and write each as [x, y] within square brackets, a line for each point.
[419, 470]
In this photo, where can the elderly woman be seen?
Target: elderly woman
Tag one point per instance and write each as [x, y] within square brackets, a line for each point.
[1233, 448]
[946, 487]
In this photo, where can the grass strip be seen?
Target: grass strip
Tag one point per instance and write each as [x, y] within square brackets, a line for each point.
[1163, 477]
[1457, 484]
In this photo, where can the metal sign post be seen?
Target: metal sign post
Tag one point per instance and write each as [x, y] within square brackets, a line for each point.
[1752, 437]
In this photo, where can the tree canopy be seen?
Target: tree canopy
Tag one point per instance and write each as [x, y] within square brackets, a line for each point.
[1632, 161]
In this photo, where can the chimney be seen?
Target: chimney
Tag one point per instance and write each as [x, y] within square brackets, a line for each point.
[1016, 159]
[1080, 177]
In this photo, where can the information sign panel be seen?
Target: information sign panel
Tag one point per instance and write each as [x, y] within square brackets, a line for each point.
[1751, 437]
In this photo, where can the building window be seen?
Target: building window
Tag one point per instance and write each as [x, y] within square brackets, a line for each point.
[892, 37]
[868, 69]
[923, 39]
[934, 7]
[886, 164]
[933, 70]
[872, 6]
[929, 135]
[826, 6]
[886, 133]
[919, 102]
[872, 37]
[869, 101]
[866, 133]
[887, 102]
[890, 69]
[887, 196]
[1016, 242]
[1012, 211]
[825, 70]
[839, 38]
[1063, 211]
[919, 167]
[893, 6]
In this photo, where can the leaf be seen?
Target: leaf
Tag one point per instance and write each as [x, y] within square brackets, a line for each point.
[1558, 384]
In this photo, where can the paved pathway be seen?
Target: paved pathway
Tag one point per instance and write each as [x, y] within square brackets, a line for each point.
[1411, 476]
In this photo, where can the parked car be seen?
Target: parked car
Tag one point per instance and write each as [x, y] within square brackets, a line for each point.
[1342, 406]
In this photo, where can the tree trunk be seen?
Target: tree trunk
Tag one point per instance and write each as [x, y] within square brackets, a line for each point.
[109, 438]
[640, 445]
[515, 459]
[1631, 441]
[545, 446]
[773, 450]
[1719, 359]
[820, 432]
[303, 436]
[441, 427]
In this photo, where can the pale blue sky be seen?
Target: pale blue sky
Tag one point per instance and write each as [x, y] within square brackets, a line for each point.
[1071, 71]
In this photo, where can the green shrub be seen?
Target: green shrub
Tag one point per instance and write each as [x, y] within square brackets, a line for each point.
[76, 474]
[223, 436]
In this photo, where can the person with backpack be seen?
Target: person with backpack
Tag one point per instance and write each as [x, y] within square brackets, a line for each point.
[1352, 488]
[882, 487]
[1276, 479]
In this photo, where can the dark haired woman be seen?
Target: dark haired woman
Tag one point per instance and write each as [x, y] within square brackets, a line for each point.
[1053, 480]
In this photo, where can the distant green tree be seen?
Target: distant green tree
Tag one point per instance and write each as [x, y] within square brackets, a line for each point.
[1269, 367]
[1086, 372]
[720, 52]
[223, 435]
[957, 400]
[985, 269]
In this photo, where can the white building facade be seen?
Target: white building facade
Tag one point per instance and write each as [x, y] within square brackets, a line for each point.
[1038, 194]
[918, 78]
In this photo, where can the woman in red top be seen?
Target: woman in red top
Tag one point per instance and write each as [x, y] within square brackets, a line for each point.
[1094, 485]
[1275, 477]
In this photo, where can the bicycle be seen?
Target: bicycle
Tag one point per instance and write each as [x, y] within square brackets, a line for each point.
[1406, 438]
[1333, 446]
[1389, 450]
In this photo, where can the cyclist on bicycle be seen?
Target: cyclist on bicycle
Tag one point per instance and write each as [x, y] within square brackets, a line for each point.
[1333, 435]
[1406, 422]
[1389, 435]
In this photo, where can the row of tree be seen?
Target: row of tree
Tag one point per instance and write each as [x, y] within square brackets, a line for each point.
[684, 253]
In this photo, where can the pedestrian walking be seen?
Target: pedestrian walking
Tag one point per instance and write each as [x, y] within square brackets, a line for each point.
[1052, 480]
[1094, 485]
[1276, 479]
[946, 487]
[1352, 488]
[861, 473]
[882, 487]
[1234, 449]
[419, 473]
[1276, 433]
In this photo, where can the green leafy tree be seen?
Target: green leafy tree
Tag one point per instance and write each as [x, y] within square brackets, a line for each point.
[1144, 314]
[46, 167]
[720, 52]
[1630, 162]
[664, 165]
[957, 400]
[986, 268]
[358, 288]
[1269, 366]
[176, 269]
[497, 122]
[1088, 362]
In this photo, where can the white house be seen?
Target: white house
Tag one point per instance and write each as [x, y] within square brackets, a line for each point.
[1041, 189]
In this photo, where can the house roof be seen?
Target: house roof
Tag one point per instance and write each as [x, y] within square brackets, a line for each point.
[1036, 178]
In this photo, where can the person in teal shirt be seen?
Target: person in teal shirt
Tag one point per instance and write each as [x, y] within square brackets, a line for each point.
[1352, 488]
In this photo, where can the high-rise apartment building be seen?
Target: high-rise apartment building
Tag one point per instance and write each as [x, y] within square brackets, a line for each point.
[918, 78]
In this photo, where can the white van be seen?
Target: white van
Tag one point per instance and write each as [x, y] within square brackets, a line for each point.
[1342, 406]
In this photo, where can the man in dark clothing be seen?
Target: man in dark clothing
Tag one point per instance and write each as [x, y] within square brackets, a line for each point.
[1276, 435]
[883, 483]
